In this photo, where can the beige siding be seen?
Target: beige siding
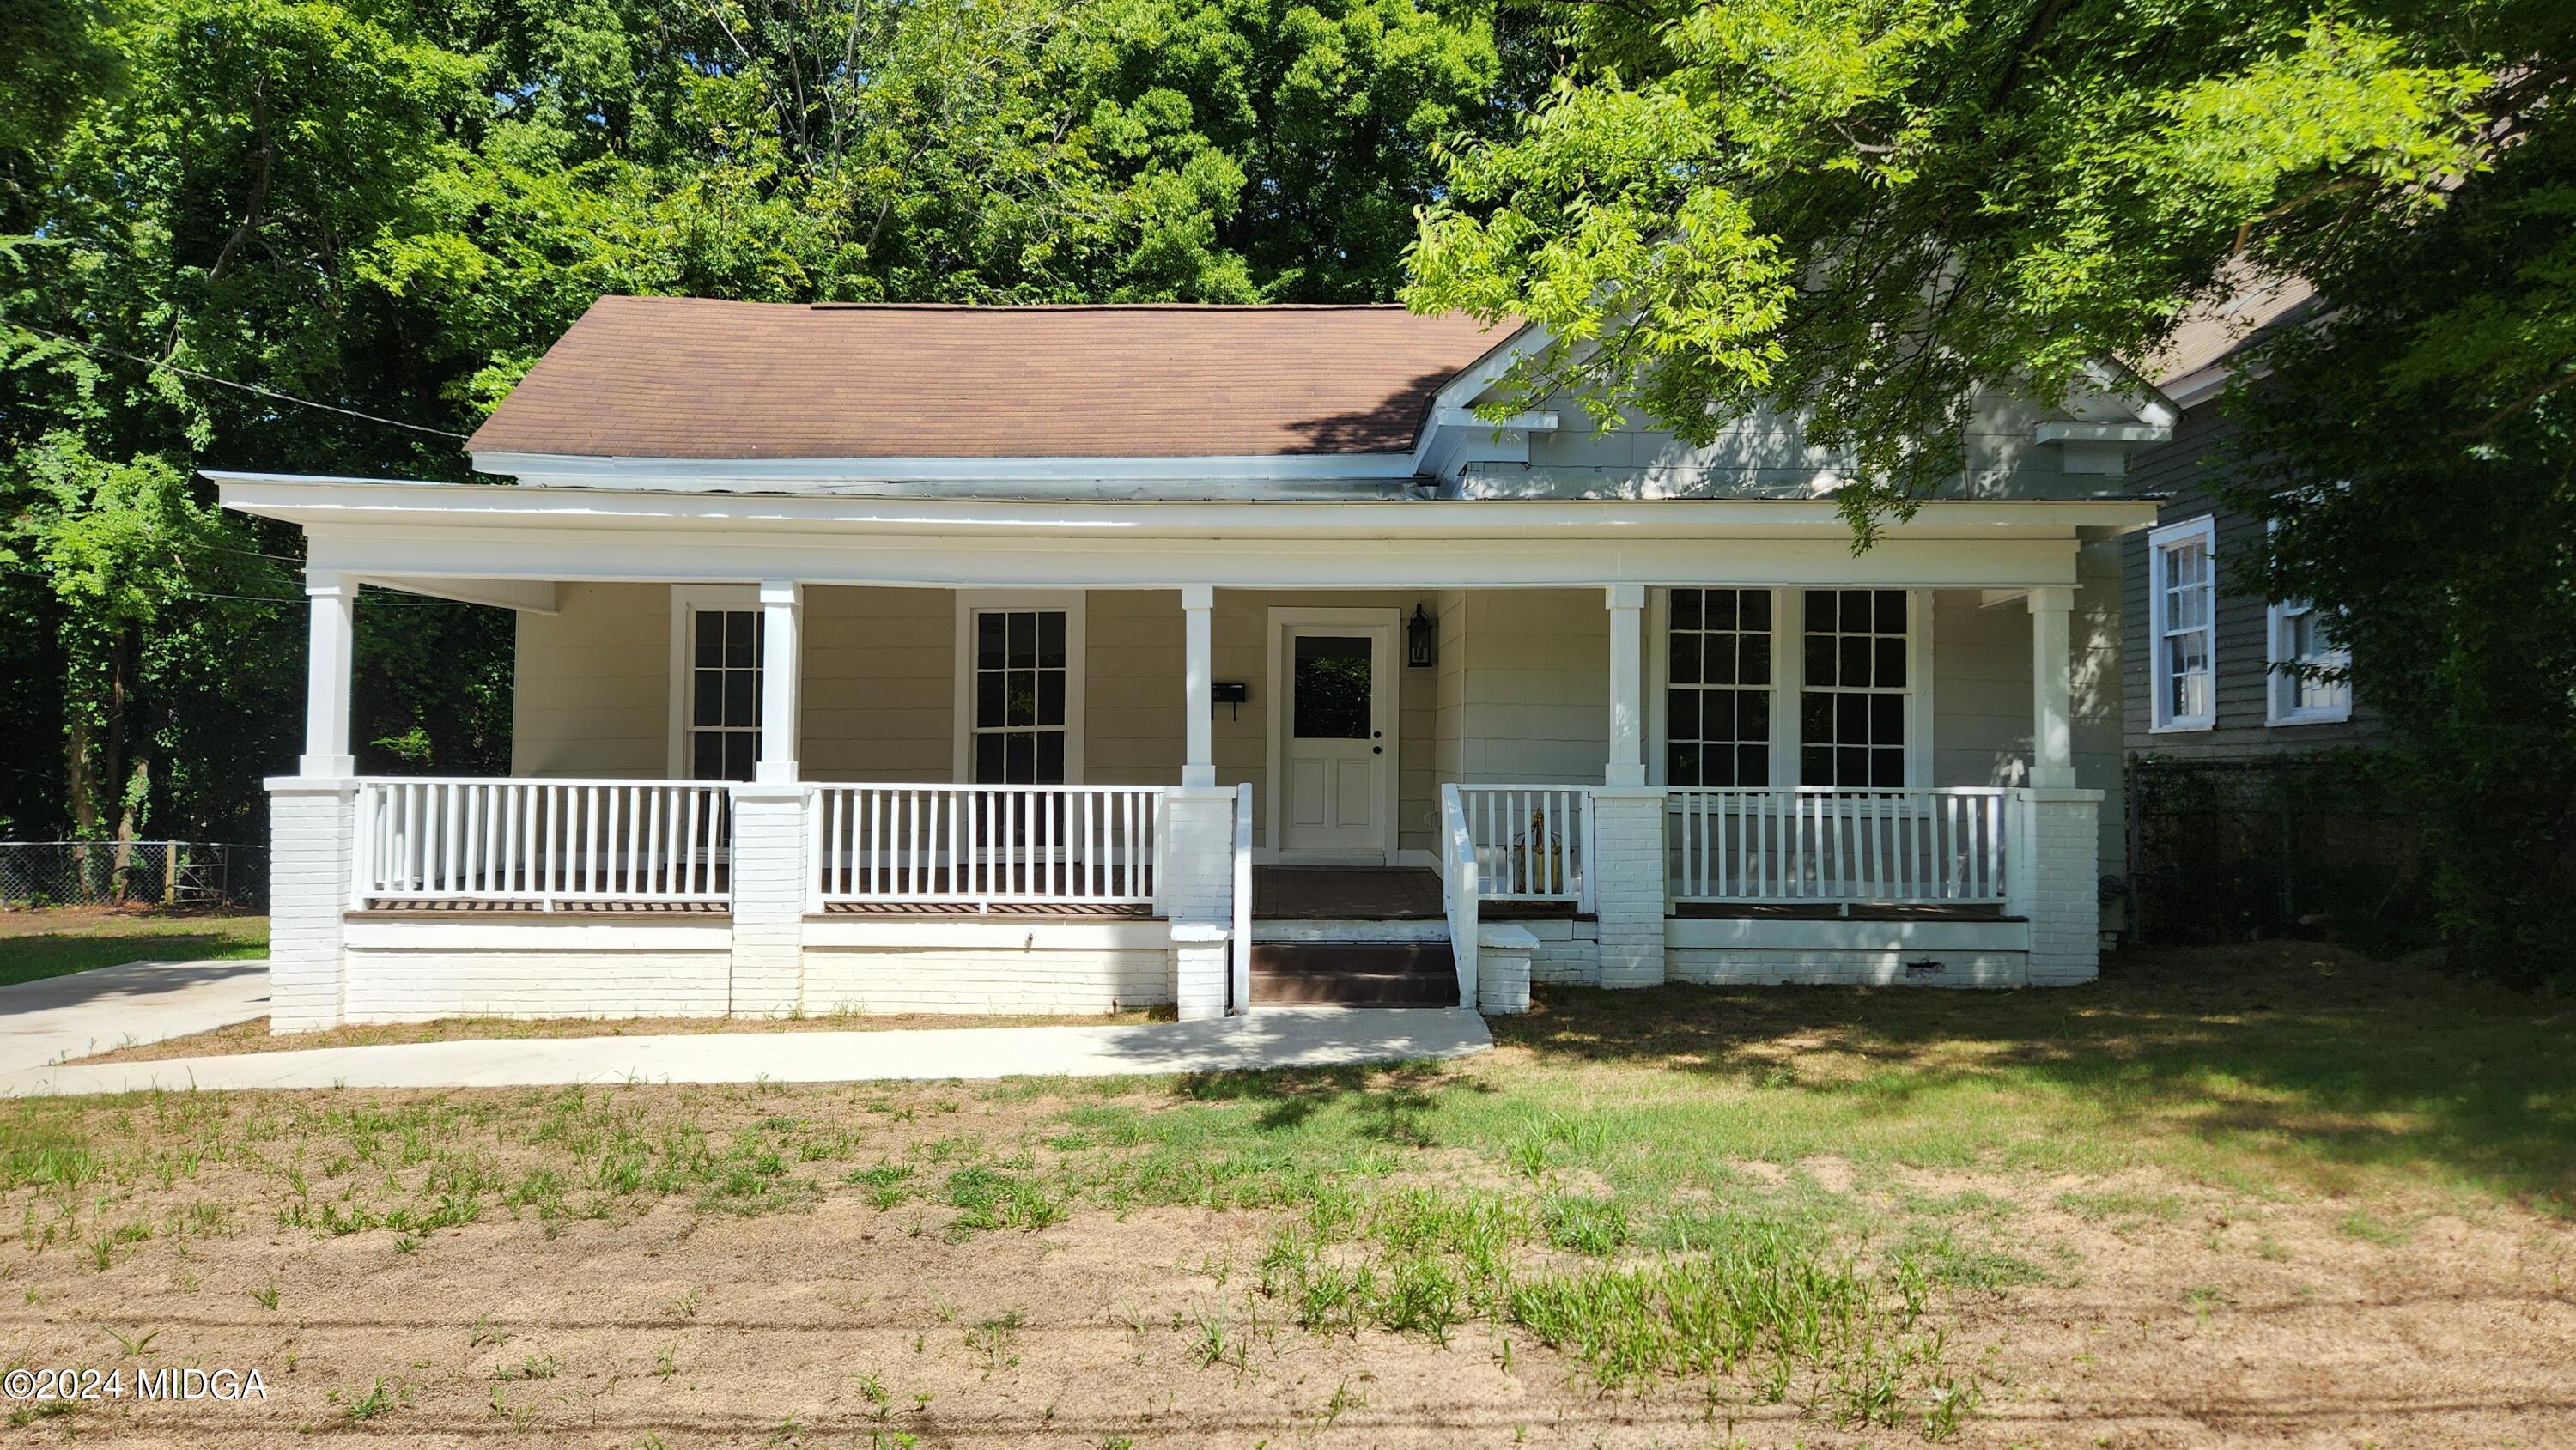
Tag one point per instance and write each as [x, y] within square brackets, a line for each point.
[1533, 685]
[591, 694]
[879, 684]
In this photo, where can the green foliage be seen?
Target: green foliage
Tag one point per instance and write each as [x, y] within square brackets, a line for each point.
[2424, 441]
[393, 207]
[1866, 210]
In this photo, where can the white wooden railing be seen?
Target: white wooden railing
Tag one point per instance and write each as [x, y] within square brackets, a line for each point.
[541, 842]
[1814, 844]
[984, 844]
[1533, 842]
[1458, 889]
[1240, 996]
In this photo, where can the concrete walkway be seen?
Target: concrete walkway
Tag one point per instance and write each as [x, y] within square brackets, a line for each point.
[1272, 1037]
[100, 1010]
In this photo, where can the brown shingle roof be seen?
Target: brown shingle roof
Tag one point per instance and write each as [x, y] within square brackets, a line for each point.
[681, 377]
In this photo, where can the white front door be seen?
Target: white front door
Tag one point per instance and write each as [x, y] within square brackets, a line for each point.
[1337, 753]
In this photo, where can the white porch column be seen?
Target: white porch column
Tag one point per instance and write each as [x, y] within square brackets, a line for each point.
[1198, 672]
[2053, 875]
[772, 865]
[781, 675]
[2052, 717]
[332, 642]
[1627, 764]
[312, 827]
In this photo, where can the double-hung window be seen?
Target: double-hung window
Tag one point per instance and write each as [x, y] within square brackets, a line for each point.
[1856, 677]
[2303, 643]
[1022, 690]
[1717, 697]
[2182, 612]
[719, 701]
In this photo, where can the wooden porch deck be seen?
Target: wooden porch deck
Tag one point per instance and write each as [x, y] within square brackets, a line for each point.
[1279, 893]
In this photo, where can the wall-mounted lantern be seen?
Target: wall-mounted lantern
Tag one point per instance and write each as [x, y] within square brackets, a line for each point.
[1421, 640]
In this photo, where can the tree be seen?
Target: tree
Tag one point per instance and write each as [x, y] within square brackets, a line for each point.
[2426, 434]
[1863, 209]
[389, 208]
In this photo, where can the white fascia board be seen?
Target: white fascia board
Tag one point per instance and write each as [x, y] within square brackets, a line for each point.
[1437, 451]
[482, 532]
[528, 596]
[2103, 433]
[818, 475]
[338, 502]
[2131, 387]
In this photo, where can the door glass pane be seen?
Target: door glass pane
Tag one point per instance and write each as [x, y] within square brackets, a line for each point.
[1331, 690]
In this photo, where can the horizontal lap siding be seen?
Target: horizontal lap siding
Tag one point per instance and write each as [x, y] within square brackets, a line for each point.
[591, 688]
[2190, 468]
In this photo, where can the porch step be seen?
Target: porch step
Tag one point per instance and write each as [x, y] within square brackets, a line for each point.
[1354, 974]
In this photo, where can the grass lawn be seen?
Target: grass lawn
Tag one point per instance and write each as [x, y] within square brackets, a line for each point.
[54, 940]
[2276, 1194]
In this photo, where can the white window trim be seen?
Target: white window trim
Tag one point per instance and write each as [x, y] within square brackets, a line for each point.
[2204, 529]
[2281, 686]
[1789, 679]
[1077, 659]
[686, 600]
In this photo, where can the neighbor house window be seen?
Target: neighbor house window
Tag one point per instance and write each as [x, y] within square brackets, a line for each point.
[2182, 609]
[715, 682]
[2302, 640]
[1020, 668]
[1717, 697]
[1853, 694]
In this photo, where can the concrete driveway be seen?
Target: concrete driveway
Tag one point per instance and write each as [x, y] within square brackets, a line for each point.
[43, 1022]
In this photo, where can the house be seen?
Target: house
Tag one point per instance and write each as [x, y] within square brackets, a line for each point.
[926, 658]
[2217, 671]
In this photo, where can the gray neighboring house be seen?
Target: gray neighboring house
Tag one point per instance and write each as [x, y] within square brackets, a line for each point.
[2200, 652]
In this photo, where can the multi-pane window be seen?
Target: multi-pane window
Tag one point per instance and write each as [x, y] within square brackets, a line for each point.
[1717, 700]
[2302, 643]
[1019, 696]
[1851, 703]
[2183, 605]
[724, 693]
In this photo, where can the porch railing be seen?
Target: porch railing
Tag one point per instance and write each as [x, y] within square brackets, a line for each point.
[542, 842]
[1458, 889]
[1532, 842]
[1837, 845]
[985, 844]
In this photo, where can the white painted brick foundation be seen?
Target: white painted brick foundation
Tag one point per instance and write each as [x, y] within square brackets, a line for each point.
[1503, 968]
[2054, 880]
[988, 980]
[1201, 966]
[771, 886]
[1197, 855]
[1628, 889]
[1736, 966]
[309, 860]
[1567, 951]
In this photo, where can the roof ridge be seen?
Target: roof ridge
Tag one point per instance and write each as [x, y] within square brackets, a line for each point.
[1017, 307]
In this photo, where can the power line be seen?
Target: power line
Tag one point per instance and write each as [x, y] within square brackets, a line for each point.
[103, 350]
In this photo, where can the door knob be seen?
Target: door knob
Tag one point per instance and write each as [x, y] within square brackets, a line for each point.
[1377, 750]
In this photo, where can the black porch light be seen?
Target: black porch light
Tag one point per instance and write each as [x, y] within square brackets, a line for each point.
[1421, 640]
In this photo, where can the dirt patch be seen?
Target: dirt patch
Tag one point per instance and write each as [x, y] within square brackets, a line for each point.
[254, 1036]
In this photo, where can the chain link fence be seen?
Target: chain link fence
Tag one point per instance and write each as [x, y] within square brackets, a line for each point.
[2287, 846]
[130, 873]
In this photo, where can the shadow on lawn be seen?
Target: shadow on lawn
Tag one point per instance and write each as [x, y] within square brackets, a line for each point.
[2352, 1060]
